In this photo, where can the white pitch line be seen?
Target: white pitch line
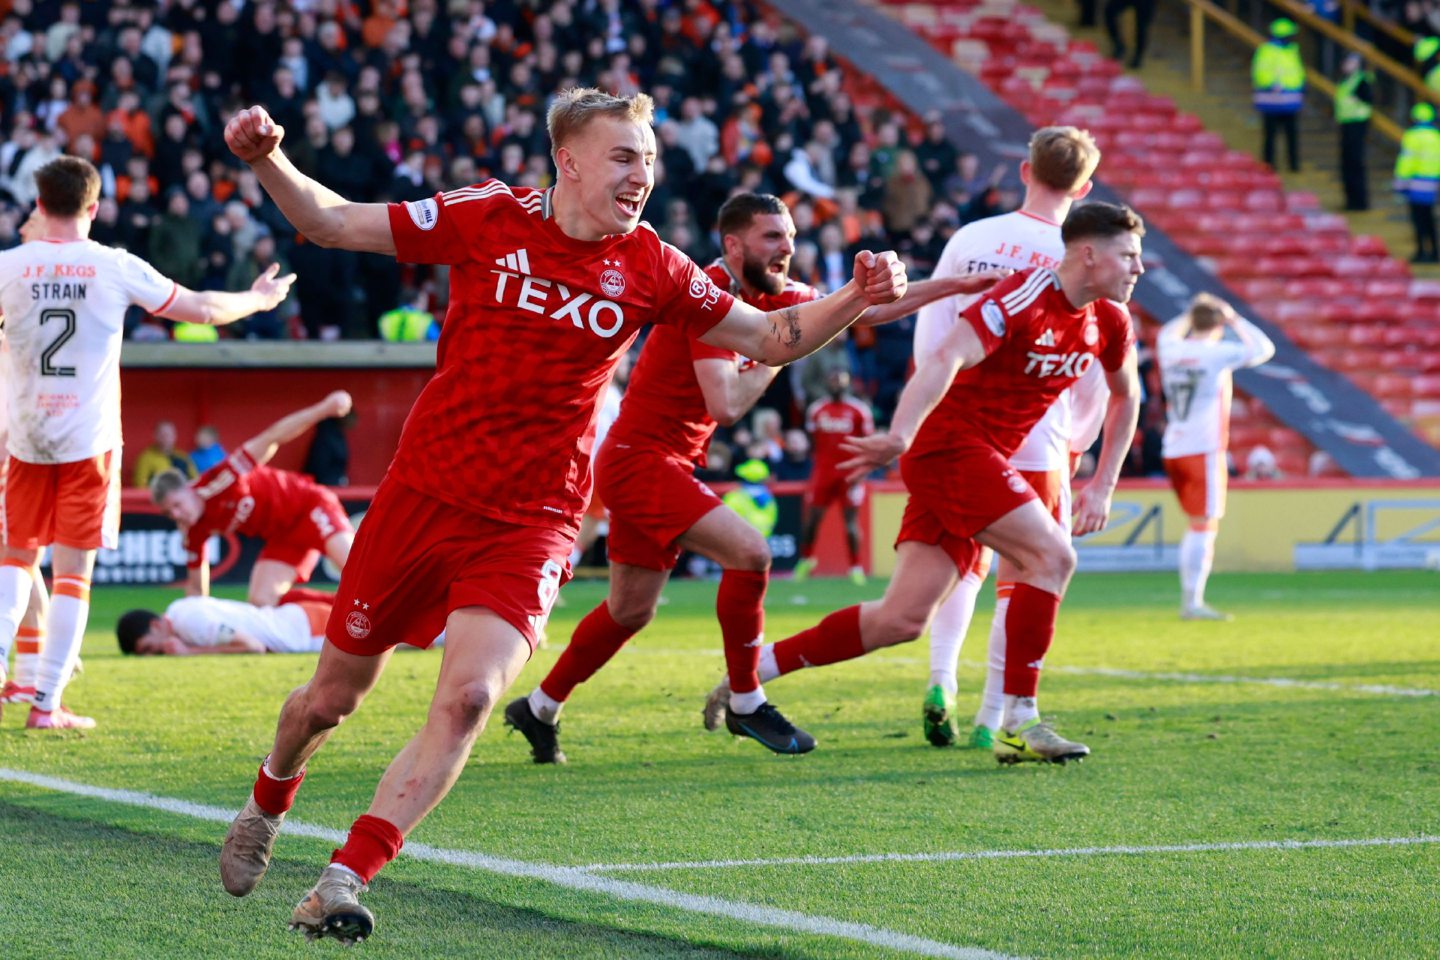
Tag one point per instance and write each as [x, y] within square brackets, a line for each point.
[1384, 690]
[1379, 689]
[1015, 854]
[573, 878]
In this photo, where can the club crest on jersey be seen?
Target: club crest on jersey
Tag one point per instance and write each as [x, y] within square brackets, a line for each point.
[1016, 482]
[994, 317]
[612, 281]
[424, 213]
[1092, 335]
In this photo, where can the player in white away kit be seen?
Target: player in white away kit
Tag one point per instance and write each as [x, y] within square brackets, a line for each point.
[64, 299]
[1197, 352]
[1062, 161]
[205, 625]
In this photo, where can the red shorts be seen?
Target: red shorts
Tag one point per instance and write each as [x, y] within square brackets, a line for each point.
[417, 559]
[1053, 489]
[653, 500]
[955, 496]
[1200, 482]
[73, 504]
[302, 546]
[829, 486]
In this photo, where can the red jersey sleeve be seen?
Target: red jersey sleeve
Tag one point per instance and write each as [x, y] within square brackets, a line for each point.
[1119, 334]
[194, 546]
[434, 230]
[995, 314]
[703, 351]
[686, 296]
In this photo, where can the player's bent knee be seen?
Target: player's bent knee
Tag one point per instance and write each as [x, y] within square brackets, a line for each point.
[469, 705]
[753, 555]
[634, 614]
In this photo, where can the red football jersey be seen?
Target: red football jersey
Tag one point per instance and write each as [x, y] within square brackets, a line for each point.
[536, 324]
[241, 497]
[664, 408]
[829, 422]
[1036, 345]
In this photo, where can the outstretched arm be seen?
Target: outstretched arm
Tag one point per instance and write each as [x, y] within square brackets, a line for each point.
[782, 336]
[960, 348]
[729, 390]
[263, 445]
[920, 292]
[1092, 506]
[219, 307]
[197, 579]
[318, 212]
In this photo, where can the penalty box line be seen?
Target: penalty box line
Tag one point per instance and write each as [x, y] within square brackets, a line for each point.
[573, 878]
[943, 857]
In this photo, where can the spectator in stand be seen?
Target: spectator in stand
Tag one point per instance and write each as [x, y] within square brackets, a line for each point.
[160, 456]
[208, 450]
[796, 463]
[908, 196]
[936, 154]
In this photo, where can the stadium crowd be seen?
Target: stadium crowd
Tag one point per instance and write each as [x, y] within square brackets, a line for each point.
[396, 99]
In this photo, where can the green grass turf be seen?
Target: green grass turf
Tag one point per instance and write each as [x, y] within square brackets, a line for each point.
[1176, 762]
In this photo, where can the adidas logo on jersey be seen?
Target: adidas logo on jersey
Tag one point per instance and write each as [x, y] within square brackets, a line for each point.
[1046, 339]
[517, 262]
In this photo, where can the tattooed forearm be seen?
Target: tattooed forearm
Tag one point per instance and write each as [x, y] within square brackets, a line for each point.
[790, 335]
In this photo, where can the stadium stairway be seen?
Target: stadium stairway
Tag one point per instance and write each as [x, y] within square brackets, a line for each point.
[1340, 296]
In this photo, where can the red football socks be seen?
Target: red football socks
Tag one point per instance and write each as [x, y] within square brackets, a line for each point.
[1029, 630]
[832, 640]
[595, 641]
[276, 796]
[740, 608]
[372, 843]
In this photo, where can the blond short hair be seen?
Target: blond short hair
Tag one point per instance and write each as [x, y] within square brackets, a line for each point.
[1063, 158]
[576, 107]
[1207, 311]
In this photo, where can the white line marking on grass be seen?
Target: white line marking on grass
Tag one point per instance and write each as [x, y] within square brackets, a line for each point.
[1384, 690]
[1380, 689]
[1015, 854]
[573, 878]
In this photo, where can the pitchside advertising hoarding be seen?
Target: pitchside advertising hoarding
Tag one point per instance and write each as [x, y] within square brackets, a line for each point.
[1276, 526]
[1314, 525]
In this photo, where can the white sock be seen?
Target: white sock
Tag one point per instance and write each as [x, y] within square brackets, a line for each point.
[15, 586]
[747, 702]
[68, 615]
[1019, 711]
[26, 664]
[1197, 554]
[992, 702]
[948, 629]
[545, 707]
[768, 668]
[272, 776]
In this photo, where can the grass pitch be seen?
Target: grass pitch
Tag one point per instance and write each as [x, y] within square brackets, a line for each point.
[1311, 719]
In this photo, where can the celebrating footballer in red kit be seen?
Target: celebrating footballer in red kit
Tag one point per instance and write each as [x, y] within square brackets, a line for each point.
[471, 529]
[960, 418]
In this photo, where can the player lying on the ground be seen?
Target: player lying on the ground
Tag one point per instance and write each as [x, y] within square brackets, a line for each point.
[210, 625]
[1025, 342]
[472, 526]
[296, 517]
[680, 391]
[202, 625]
[64, 298]
[1197, 352]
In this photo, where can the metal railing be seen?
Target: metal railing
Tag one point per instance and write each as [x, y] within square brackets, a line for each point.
[1403, 79]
